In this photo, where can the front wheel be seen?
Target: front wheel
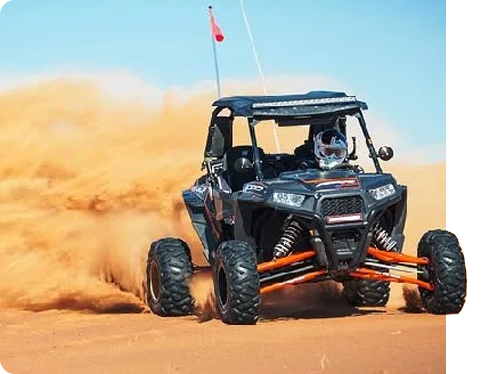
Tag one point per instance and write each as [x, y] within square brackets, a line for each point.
[236, 283]
[446, 272]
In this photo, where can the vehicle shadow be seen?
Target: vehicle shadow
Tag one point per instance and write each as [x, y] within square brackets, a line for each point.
[313, 300]
[304, 301]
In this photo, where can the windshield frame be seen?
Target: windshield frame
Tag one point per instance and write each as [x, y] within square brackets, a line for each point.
[253, 122]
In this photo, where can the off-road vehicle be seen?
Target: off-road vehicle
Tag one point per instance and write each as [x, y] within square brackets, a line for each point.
[271, 220]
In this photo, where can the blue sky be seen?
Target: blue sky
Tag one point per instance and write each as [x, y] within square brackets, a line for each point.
[391, 53]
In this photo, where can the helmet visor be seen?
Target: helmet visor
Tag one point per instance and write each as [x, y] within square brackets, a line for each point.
[333, 152]
[337, 152]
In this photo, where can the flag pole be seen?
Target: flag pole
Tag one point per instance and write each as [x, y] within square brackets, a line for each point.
[260, 71]
[214, 50]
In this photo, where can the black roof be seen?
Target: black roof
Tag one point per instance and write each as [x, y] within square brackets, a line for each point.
[317, 102]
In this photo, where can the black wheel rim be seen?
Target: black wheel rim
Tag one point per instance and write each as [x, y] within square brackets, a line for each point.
[154, 281]
[223, 289]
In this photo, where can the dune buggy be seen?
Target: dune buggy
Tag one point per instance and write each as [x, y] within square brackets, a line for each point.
[268, 220]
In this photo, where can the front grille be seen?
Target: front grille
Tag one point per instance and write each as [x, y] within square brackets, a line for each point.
[339, 206]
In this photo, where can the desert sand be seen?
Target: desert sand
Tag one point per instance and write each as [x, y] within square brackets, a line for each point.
[87, 183]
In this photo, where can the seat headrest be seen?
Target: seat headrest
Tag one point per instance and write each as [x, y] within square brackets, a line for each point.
[242, 151]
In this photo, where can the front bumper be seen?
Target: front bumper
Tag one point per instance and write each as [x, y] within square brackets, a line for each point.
[341, 247]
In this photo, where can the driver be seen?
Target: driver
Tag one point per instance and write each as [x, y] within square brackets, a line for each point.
[330, 148]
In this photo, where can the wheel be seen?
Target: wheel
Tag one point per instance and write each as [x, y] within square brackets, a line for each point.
[236, 283]
[366, 292]
[168, 270]
[446, 272]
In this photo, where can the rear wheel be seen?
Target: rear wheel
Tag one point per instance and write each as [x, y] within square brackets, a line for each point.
[168, 271]
[366, 292]
[237, 283]
[446, 272]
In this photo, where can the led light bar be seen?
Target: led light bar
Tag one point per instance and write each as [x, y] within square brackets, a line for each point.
[289, 103]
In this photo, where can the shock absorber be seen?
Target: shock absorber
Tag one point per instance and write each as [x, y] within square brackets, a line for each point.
[287, 241]
[382, 238]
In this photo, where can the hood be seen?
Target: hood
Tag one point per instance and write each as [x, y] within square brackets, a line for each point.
[314, 181]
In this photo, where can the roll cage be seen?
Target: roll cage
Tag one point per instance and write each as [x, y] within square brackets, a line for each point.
[316, 108]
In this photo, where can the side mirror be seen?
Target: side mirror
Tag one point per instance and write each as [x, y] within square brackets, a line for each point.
[242, 165]
[385, 153]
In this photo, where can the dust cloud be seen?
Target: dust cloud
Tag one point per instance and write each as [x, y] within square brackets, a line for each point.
[202, 290]
[87, 183]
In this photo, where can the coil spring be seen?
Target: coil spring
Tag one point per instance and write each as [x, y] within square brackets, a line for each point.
[382, 238]
[286, 243]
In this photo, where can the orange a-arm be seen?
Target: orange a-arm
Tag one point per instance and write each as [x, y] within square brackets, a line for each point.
[386, 257]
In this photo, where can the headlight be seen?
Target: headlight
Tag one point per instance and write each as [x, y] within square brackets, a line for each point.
[290, 199]
[382, 192]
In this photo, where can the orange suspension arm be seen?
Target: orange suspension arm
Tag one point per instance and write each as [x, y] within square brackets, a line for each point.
[275, 264]
[396, 257]
[391, 257]
[300, 279]
[372, 274]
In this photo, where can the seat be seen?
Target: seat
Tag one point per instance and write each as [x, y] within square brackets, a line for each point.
[236, 179]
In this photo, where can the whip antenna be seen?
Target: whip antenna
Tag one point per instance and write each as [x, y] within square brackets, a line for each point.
[260, 71]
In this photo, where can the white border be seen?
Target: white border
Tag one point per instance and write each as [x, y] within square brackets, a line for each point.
[467, 66]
